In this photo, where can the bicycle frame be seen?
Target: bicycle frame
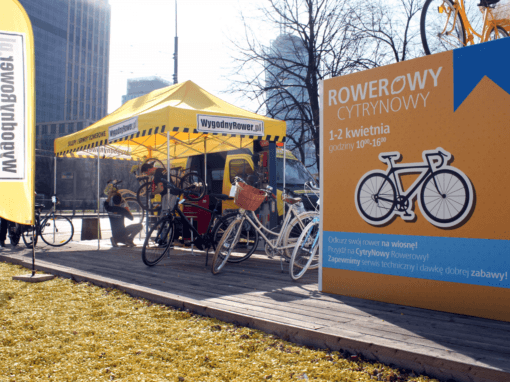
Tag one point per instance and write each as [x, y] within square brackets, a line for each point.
[425, 168]
[314, 221]
[255, 223]
[489, 23]
[184, 219]
[39, 220]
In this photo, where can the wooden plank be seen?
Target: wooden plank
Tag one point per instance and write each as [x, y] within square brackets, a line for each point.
[418, 332]
[292, 297]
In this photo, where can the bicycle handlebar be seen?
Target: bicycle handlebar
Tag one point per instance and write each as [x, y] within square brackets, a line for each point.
[440, 154]
[312, 185]
[174, 187]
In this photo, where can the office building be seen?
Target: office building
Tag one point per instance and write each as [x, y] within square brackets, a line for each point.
[72, 44]
[137, 87]
[287, 96]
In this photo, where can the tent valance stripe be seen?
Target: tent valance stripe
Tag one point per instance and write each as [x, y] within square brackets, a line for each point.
[152, 131]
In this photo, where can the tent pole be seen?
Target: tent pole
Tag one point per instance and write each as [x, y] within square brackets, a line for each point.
[98, 203]
[284, 168]
[273, 221]
[55, 181]
[168, 156]
[205, 162]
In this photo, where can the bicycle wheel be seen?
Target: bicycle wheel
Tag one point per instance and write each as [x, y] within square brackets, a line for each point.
[29, 234]
[441, 27]
[445, 201]
[294, 229]
[144, 195]
[375, 198]
[226, 245]
[136, 210]
[497, 33]
[248, 238]
[195, 184]
[158, 242]
[56, 230]
[305, 251]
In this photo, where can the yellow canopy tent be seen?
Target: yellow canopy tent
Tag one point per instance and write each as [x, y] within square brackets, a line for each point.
[169, 123]
[194, 120]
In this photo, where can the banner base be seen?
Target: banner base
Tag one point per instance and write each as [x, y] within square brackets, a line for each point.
[34, 278]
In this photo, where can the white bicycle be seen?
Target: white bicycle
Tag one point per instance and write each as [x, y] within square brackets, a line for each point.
[306, 253]
[250, 198]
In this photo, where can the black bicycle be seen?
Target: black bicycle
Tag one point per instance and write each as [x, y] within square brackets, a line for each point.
[162, 235]
[55, 230]
[149, 190]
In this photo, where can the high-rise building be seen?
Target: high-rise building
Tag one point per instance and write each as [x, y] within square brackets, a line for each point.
[137, 87]
[72, 45]
[286, 96]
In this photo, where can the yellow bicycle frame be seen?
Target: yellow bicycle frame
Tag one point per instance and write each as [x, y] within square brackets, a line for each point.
[489, 23]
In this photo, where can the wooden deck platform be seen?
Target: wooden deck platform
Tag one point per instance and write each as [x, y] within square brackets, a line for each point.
[257, 294]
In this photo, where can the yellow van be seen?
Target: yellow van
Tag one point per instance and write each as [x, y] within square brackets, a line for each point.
[223, 167]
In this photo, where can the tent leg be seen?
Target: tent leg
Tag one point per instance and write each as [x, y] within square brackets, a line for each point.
[168, 156]
[98, 204]
[33, 253]
[205, 164]
[272, 182]
[284, 165]
[54, 181]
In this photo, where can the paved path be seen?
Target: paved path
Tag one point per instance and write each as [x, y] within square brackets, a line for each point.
[256, 293]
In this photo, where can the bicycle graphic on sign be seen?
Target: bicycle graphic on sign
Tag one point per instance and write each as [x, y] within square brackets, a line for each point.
[445, 192]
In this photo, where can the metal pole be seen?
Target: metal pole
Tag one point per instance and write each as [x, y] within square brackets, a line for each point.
[284, 168]
[176, 43]
[191, 231]
[168, 156]
[205, 163]
[55, 181]
[54, 200]
[168, 198]
[34, 230]
[98, 204]
[273, 222]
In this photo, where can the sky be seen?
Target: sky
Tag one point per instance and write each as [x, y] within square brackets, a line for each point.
[142, 43]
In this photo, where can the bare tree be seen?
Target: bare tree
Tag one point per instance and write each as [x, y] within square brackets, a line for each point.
[315, 40]
[391, 27]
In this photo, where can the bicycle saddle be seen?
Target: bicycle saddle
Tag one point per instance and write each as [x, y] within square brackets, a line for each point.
[390, 156]
[487, 3]
[219, 196]
[290, 200]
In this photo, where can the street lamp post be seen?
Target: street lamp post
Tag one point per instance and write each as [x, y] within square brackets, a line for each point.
[175, 46]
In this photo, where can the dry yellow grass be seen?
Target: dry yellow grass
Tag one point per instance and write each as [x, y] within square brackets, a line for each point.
[63, 331]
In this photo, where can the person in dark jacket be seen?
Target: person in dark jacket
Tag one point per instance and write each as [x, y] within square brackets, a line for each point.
[117, 211]
[3, 231]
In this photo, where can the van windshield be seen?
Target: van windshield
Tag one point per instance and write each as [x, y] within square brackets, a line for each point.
[295, 172]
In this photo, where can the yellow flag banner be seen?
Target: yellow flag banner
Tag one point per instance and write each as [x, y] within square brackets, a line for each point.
[17, 114]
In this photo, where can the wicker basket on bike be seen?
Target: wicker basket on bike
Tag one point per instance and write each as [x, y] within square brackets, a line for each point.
[248, 197]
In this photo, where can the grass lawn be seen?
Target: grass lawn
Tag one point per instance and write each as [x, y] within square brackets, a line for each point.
[60, 330]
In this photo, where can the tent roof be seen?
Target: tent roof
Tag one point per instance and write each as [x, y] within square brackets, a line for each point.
[192, 116]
